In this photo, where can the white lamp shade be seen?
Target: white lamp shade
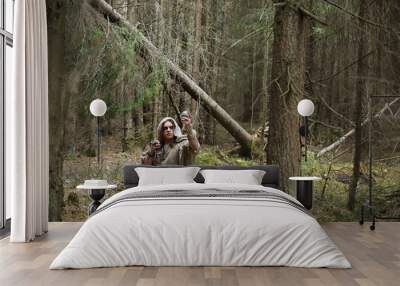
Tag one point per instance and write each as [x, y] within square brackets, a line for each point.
[305, 107]
[98, 107]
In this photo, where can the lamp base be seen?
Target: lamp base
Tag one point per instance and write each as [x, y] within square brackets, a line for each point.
[96, 195]
[304, 193]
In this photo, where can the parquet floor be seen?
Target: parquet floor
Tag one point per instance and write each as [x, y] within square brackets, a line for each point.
[375, 257]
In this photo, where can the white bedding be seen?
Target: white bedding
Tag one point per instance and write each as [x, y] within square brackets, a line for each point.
[200, 231]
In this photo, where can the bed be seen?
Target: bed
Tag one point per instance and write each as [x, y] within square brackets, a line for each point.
[201, 224]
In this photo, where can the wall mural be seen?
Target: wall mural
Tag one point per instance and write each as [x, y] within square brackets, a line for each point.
[219, 83]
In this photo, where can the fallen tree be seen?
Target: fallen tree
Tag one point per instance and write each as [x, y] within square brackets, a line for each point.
[351, 132]
[190, 86]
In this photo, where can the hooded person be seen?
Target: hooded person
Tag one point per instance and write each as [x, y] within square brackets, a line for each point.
[173, 146]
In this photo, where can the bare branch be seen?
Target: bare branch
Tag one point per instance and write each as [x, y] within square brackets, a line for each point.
[344, 69]
[358, 17]
[244, 38]
[351, 132]
[307, 13]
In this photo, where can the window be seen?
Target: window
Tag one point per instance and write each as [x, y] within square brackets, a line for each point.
[6, 66]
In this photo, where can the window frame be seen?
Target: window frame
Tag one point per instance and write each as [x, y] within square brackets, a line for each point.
[6, 39]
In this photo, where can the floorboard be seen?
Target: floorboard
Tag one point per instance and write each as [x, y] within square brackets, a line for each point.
[375, 257]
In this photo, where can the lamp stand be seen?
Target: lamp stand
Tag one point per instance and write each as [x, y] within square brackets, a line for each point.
[303, 152]
[98, 140]
[305, 137]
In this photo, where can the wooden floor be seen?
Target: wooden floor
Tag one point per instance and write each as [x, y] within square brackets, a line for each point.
[375, 257]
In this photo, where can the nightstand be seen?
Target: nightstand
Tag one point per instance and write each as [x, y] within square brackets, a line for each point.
[97, 190]
[304, 190]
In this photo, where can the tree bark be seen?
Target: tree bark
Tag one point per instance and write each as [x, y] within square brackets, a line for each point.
[266, 77]
[216, 29]
[237, 131]
[361, 91]
[136, 113]
[286, 88]
[57, 73]
[181, 55]
[124, 129]
[310, 54]
[197, 48]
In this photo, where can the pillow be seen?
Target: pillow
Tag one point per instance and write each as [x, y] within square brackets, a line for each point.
[162, 176]
[248, 177]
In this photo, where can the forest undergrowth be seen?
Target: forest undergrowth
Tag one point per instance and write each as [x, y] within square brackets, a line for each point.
[330, 193]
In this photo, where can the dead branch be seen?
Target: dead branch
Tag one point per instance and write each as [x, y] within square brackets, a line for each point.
[343, 69]
[357, 16]
[335, 112]
[307, 13]
[325, 124]
[244, 38]
[351, 132]
[304, 12]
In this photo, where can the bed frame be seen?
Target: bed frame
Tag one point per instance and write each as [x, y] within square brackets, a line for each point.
[270, 179]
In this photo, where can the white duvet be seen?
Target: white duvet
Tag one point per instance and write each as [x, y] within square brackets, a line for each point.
[200, 231]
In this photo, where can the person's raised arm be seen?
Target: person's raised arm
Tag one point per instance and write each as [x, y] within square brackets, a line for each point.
[187, 129]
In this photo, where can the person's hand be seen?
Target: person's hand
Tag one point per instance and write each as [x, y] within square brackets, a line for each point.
[186, 122]
[155, 145]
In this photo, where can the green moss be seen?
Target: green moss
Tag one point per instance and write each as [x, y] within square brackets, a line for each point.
[90, 152]
[70, 156]
[207, 158]
[214, 156]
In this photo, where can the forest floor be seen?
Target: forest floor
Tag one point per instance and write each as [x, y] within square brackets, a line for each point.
[330, 193]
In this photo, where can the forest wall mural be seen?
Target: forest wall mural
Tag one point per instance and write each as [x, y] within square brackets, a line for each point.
[239, 69]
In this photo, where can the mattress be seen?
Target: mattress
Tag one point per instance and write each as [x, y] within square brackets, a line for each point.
[201, 225]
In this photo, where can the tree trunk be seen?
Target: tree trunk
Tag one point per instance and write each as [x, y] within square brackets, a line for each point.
[136, 113]
[240, 134]
[124, 129]
[253, 82]
[137, 123]
[57, 73]
[310, 54]
[322, 110]
[361, 91]
[286, 89]
[197, 48]
[182, 48]
[266, 75]
[216, 30]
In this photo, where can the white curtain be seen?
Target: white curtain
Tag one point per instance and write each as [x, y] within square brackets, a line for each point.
[27, 143]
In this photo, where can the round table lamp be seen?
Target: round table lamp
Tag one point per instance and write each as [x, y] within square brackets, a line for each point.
[98, 107]
[305, 108]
